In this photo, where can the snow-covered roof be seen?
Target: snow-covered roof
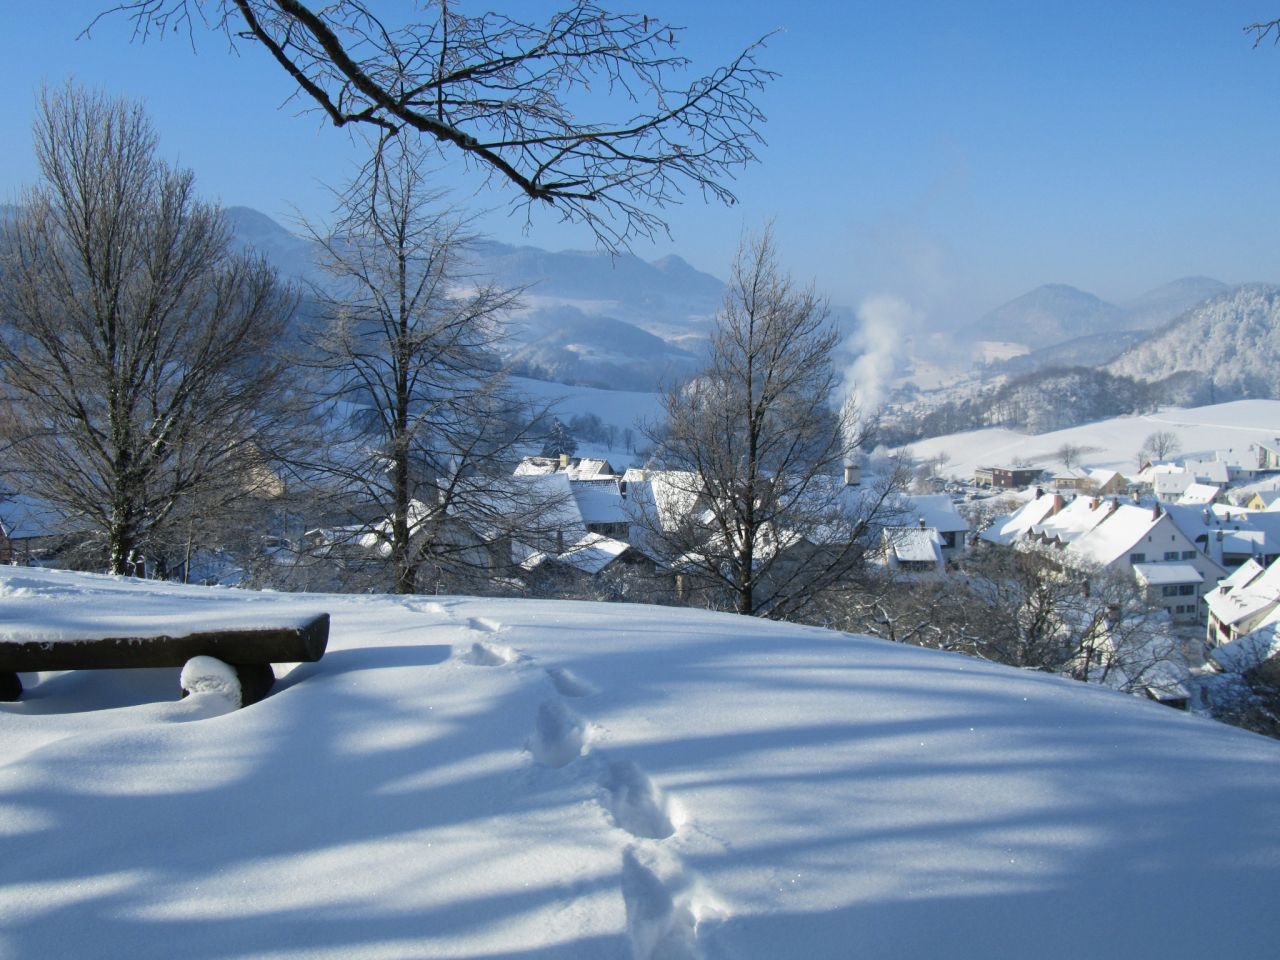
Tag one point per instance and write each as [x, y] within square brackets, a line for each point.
[913, 545]
[1104, 478]
[576, 467]
[1075, 519]
[1009, 528]
[590, 555]
[1197, 494]
[1172, 485]
[1209, 471]
[600, 501]
[1121, 529]
[937, 511]
[1245, 594]
[25, 517]
[1255, 647]
[1167, 574]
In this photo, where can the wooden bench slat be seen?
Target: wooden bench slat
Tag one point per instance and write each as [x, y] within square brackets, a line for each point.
[305, 643]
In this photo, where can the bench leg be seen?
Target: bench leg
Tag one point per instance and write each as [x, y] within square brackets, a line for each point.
[256, 681]
[10, 687]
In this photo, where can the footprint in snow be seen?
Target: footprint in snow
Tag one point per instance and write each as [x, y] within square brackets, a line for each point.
[665, 908]
[635, 801]
[569, 684]
[559, 737]
[484, 624]
[489, 655]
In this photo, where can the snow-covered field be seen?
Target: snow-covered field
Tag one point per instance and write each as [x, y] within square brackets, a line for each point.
[1112, 444]
[516, 779]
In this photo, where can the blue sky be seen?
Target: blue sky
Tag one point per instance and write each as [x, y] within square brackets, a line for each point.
[953, 155]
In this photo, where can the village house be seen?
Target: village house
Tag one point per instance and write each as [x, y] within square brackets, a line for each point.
[913, 550]
[1239, 603]
[1006, 478]
[1141, 541]
[1094, 481]
[1268, 454]
[937, 512]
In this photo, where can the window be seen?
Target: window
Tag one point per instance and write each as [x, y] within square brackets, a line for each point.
[1169, 591]
[1186, 589]
[1171, 555]
[1188, 554]
[1137, 558]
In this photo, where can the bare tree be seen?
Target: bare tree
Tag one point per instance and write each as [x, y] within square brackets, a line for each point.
[139, 357]
[508, 94]
[1024, 609]
[425, 420]
[1160, 445]
[754, 447]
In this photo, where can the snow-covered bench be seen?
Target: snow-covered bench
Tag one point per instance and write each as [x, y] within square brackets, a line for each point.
[250, 652]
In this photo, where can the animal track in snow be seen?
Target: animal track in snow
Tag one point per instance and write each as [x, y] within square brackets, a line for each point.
[569, 684]
[489, 655]
[664, 907]
[484, 624]
[635, 801]
[559, 737]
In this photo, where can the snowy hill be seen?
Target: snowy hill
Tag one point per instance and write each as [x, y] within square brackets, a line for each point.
[1049, 314]
[1157, 307]
[481, 778]
[1114, 443]
[1232, 341]
[1058, 315]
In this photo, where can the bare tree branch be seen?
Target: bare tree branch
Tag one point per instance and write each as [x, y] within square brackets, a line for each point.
[509, 95]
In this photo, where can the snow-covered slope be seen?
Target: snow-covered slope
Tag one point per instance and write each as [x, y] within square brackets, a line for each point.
[1232, 340]
[1114, 443]
[481, 778]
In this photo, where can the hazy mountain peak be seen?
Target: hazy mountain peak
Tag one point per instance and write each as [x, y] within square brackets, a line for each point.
[1049, 314]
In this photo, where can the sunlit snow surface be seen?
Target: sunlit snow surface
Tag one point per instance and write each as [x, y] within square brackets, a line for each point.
[515, 779]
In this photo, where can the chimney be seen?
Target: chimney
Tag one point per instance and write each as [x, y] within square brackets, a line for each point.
[1156, 511]
[921, 522]
[852, 475]
[559, 541]
[1058, 504]
[1206, 516]
[1095, 503]
[622, 489]
[564, 461]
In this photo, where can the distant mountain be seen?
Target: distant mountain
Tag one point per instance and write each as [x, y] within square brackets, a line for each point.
[667, 297]
[1049, 314]
[1232, 342]
[293, 256]
[564, 345]
[1157, 307]
[588, 319]
[1060, 316]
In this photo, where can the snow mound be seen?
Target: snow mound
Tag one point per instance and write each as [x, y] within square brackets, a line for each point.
[208, 675]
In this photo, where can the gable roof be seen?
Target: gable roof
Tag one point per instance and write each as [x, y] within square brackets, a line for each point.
[913, 545]
[1245, 593]
[937, 511]
[1119, 532]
